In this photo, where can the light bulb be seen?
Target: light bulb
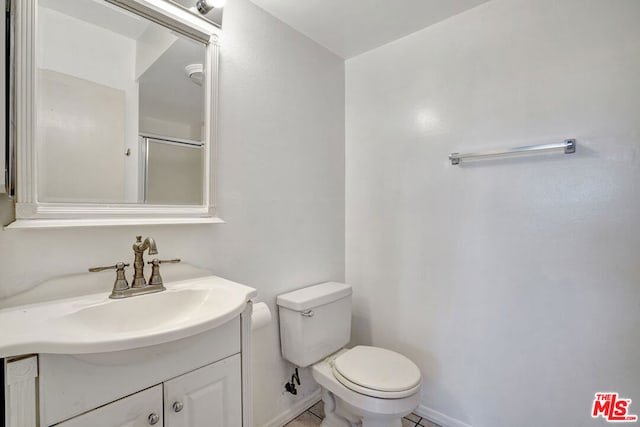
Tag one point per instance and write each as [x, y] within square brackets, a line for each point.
[206, 6]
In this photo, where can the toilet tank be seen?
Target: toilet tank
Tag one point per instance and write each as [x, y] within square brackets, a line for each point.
[314, 322]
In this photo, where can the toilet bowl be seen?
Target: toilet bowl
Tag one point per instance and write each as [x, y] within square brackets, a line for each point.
[363, 386]
[347, 403]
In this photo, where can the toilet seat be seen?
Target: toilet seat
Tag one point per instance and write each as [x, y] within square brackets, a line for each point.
[377, 372]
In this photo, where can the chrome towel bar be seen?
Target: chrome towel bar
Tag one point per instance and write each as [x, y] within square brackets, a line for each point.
[568, 146]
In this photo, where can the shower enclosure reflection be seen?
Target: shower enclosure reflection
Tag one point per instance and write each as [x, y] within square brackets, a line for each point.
[170, 171]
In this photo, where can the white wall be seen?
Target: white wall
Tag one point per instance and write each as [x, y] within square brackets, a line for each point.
[79, 163]
[280, 188]
[62, 50]
[154, 126]
[154, 42]
[71, 46]
[512, 283]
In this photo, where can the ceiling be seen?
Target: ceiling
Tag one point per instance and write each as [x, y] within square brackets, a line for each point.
[351, 27]
[101, 14]
[166, 92]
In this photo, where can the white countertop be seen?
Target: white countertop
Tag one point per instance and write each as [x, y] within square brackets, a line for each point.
[95, 323]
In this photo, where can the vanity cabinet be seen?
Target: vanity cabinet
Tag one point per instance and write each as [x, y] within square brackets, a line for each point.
[136, 410]
[201, 373]
[182, 354]
[209, 396]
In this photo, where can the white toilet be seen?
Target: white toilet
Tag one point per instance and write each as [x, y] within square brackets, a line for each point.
[363, 386]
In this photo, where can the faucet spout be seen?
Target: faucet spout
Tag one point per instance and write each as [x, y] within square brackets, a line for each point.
[149, 243]
[153, 249]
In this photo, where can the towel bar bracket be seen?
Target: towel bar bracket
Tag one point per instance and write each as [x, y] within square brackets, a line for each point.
[570, 147]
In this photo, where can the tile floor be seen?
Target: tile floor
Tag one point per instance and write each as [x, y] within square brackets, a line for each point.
[314, 415]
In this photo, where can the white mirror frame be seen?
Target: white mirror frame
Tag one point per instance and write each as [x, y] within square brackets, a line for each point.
[30, 213]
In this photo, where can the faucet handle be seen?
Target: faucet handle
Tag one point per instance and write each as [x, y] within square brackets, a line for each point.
[163, 261]
[118, 266]
[156, 279]
[121, 284]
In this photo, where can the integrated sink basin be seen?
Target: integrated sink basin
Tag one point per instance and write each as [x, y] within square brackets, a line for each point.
[156, 311]
[95, 323]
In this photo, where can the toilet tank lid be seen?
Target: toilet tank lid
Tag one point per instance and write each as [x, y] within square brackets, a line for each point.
[314, 296]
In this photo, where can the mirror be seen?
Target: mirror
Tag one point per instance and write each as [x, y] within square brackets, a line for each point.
[122, 103]
[107, 80]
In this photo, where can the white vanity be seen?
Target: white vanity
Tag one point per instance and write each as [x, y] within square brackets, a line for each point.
[174, 358]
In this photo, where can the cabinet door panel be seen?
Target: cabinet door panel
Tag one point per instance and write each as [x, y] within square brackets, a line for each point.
[132, 411]
[209, 396]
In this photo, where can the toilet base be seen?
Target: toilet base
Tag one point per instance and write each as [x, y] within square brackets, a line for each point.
[346, 408]
[339, 413]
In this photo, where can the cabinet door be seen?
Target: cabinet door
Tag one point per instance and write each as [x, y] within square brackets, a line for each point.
[207, 397]
[136, 410]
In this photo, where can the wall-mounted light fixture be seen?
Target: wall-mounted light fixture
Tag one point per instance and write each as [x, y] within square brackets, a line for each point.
[206, 6]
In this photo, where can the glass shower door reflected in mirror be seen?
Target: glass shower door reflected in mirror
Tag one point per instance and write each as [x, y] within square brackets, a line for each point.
[172, 171]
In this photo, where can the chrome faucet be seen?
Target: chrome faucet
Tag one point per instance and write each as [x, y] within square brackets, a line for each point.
[138, 263]
[139, 285]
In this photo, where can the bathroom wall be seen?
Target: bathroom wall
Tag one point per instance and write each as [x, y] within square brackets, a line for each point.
[512, 283]
[68, 47]
[280, 189]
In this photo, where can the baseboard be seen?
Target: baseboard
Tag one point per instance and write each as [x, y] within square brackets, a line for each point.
[439, 418]
[295, 410]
